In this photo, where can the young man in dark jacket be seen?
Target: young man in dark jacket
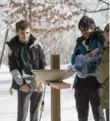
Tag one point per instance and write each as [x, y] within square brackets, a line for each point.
[86, 89]
[25, 55]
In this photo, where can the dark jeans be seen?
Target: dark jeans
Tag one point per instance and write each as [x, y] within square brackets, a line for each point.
[23, 104]
[83, 97]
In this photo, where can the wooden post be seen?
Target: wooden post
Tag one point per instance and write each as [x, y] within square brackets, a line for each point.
[55, 93]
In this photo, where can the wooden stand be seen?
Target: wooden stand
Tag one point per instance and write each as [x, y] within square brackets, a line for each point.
[55, 93]
[54, 77]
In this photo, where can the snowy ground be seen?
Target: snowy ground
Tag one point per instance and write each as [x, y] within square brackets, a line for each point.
[8, 103]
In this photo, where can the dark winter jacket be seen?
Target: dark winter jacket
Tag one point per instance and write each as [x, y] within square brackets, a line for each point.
[82, 47]
[37, 58]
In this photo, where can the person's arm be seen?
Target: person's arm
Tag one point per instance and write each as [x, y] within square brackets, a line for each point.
[13, 68]
[75, 53]
[95, 52]
[100, 44]
[102, 72]
[15, 72]
[39, 50]
[42, 58]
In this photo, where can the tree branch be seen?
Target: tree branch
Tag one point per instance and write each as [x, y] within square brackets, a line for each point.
[95, 11]
[104, 2]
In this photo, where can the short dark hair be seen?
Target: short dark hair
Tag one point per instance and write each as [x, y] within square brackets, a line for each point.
[106, 29]
[22, 25]
[86, 22]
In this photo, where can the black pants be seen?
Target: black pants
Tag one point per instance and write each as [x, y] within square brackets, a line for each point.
[23, 104]
[83, 97]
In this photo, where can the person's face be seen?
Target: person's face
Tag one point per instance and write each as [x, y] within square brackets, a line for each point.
[24, 35]
[106, 34]
[86, 32]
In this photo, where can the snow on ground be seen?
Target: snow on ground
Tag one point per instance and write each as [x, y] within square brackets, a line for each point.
[8, 103]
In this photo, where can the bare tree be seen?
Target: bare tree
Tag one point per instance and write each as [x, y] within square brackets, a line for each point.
[105, 7]
[53, 22]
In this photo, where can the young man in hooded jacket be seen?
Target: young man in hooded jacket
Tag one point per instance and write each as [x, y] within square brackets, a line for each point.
[87, 89]
[25, 55]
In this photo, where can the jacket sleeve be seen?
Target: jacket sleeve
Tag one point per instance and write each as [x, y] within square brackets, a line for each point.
[102, 72]
[42, 59]
[75, 53]
[100, 45]
[13, 68]
[100, 39]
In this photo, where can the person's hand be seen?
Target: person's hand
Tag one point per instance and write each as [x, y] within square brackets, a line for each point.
[25, 88]
[70, 68]
[94, 52]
